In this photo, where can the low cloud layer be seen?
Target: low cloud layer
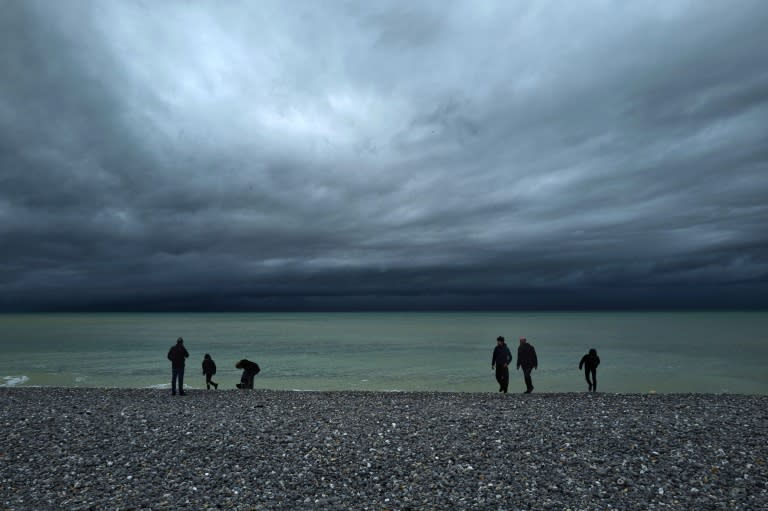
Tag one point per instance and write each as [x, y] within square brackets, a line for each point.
[261, 156]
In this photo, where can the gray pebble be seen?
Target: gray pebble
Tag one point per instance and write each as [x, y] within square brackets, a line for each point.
[143, 449]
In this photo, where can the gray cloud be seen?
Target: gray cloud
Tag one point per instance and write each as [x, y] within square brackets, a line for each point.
[258, 155]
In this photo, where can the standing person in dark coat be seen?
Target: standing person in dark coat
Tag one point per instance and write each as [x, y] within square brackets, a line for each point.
[589, 362]
[209, 369]
[176, 355]
[526, 358]
[250, 369]
[500, 361]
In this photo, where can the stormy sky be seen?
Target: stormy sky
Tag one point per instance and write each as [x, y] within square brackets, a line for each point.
[383, 155]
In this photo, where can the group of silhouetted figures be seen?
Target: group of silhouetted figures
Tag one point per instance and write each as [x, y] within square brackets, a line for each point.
[528, 361]
[178, 355]
[502, 357]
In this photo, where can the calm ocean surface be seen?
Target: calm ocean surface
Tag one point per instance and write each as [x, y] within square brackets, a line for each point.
[640, 352]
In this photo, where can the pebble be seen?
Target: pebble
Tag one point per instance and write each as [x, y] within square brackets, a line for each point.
[144, 449]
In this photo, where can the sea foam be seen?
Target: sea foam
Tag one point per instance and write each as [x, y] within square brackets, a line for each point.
[12, 381]
[164, 386]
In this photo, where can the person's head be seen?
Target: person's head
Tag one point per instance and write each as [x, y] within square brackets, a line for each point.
[207, 356]
[179, 341]
[523, 340]
[593, 351]
[240, 364]
[500, 340]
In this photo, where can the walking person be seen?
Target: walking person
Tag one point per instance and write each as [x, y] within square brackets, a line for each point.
[209, 369]
[526, 358]
[250, 369]
[177, 355]
[500, 361]
[589, 362]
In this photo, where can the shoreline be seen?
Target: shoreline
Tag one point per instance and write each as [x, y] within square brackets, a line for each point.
[197, 391]
[85, 448]
[166, 387]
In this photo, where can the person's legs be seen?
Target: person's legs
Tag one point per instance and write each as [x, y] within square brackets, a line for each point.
[594, 379]
[500, 377]
[250, 379]
[208, 382]
[504, 379]
[243, 381]
[528, 381]
[177, 375]
[586, 376]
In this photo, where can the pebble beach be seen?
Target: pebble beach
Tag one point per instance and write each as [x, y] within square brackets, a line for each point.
[119, 449]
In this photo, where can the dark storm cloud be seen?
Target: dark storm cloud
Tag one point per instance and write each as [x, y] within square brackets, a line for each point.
[177, 155]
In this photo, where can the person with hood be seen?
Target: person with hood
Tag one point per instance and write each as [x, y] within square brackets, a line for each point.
[250, 369]
[500, 361]
[209, 369]
[526, 358]
[589, 362]
[177, 355]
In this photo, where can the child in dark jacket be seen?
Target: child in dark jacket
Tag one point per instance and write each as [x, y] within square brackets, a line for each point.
[209, 369]
[589, 362]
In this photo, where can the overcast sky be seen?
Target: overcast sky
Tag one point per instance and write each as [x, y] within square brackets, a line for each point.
[160, 155]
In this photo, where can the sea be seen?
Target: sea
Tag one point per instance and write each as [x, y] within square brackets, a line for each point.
[641, 352]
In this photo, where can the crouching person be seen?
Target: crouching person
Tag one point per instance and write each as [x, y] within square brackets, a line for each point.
[250, 369]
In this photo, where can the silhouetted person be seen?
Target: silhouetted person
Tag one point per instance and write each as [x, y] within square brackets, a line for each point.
[250, 369]
[589, 362]
[500, 360]
[176, 355]
[209, 369]
[526, 358]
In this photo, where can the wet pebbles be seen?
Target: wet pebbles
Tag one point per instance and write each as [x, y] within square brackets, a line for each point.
[245, 450]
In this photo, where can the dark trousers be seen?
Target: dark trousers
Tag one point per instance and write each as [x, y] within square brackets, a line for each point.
[527, 376]
[246, 380]
[209, 381]
[592, 384]
[502, 376]
[177, 373]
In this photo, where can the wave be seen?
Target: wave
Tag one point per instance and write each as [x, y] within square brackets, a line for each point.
[164, 386]
[12, 381]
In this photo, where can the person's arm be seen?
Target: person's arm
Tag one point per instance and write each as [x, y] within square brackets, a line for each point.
[518, 358]
[597, 362]
[583, 359]
[508, 357]
[535, 358]
[493, 359]
[169, 354]
[186, 353]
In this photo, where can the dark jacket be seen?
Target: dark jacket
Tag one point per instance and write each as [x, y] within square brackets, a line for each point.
[176, 355]
[590, 361]
[209, 366]
[501, 356]
[248, 367]
[526, 356]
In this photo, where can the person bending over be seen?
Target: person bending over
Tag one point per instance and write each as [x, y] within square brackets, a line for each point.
[250, 369]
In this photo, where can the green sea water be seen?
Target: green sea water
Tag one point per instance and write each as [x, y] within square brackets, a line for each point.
[713, 352]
